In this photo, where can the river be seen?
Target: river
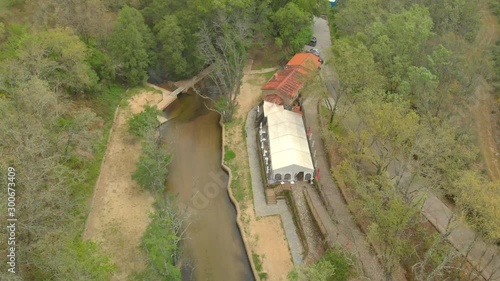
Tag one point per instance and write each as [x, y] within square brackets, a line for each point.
[213, 249]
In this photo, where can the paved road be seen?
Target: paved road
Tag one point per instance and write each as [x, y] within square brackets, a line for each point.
[259, 199]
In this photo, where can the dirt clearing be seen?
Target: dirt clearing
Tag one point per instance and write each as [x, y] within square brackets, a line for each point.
[119, 212]
[485, 112]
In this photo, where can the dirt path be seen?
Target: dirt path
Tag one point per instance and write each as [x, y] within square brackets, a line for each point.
[485, 112]
[119, 212]
[268, 239]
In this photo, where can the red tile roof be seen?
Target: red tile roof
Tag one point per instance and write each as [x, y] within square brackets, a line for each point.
[305, 63]
[287, 81]
[274, 99]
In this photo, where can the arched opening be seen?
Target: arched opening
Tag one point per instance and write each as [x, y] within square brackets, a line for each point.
[308, 177]
[288, 177]
[299, 176]
[277, 177]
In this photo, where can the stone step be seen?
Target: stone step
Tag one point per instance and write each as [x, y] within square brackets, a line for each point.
[271, 197]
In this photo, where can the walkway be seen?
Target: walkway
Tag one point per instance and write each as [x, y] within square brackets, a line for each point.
[336, 217]
[259, 200]
[483, 256]
[189, 83]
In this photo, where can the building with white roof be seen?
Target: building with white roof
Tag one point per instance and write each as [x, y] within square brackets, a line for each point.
[284, 145]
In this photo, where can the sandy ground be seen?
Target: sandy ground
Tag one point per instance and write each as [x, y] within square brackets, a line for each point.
[486, 110]
[119, 212]
[267, 236]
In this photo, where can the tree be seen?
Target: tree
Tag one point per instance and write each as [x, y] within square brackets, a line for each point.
[223, 43]
[88, 18]
[356, 15]
[478, 199]
[161, 241]
[293, 27]
[129, 45]
[443, 153]
[41, 143]
[170, 39]
[397, 43]
[392, 218]
[355, 68]
[423, 88]
[141, 124]
[334, 264]
[382, 132]
[59, 57]
[151, 172]
[458, 16]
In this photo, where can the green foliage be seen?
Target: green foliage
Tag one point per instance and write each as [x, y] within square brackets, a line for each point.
[478, 199]
[229, 155]
[101, 64]
[170, 38]
[151, 172]
[257, 260]
[130, 45]
[457, 16]
[15, 35]
[82, 260]
[57, 56]
[334, 265]
[356, 15]
[160, 242]
[104, 104]
[293, 26]
[142, 123]
[54, 135]
[355, 66]
[342, 262]
[398, 42]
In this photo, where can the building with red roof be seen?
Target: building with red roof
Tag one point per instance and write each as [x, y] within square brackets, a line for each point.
[305, 63]
[284, 86]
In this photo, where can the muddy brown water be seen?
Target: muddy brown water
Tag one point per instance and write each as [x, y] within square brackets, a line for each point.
[213, 249]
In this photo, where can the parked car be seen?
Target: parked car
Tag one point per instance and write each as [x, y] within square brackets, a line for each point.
[314, 51]
[313, 42]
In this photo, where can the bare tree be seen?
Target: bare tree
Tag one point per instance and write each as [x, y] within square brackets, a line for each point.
[223, 43]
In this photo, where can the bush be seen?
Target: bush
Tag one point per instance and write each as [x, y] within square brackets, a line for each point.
[142, 122]
[334, 265]
[229, 155]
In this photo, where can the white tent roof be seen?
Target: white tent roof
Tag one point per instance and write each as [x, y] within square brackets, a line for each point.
[288, 140]
[270, 107]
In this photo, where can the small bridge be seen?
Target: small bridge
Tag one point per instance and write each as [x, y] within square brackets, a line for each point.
[182, 87]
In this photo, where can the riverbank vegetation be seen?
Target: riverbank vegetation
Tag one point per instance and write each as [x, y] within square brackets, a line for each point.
[408, 74]
[161, 239]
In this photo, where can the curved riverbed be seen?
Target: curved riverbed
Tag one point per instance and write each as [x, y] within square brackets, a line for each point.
[213, 249]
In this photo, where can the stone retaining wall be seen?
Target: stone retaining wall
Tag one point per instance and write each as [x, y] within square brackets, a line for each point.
[239, 223]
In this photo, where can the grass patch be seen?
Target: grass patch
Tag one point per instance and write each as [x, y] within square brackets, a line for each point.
[267, 75]
[257, 260]
[228, 154]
